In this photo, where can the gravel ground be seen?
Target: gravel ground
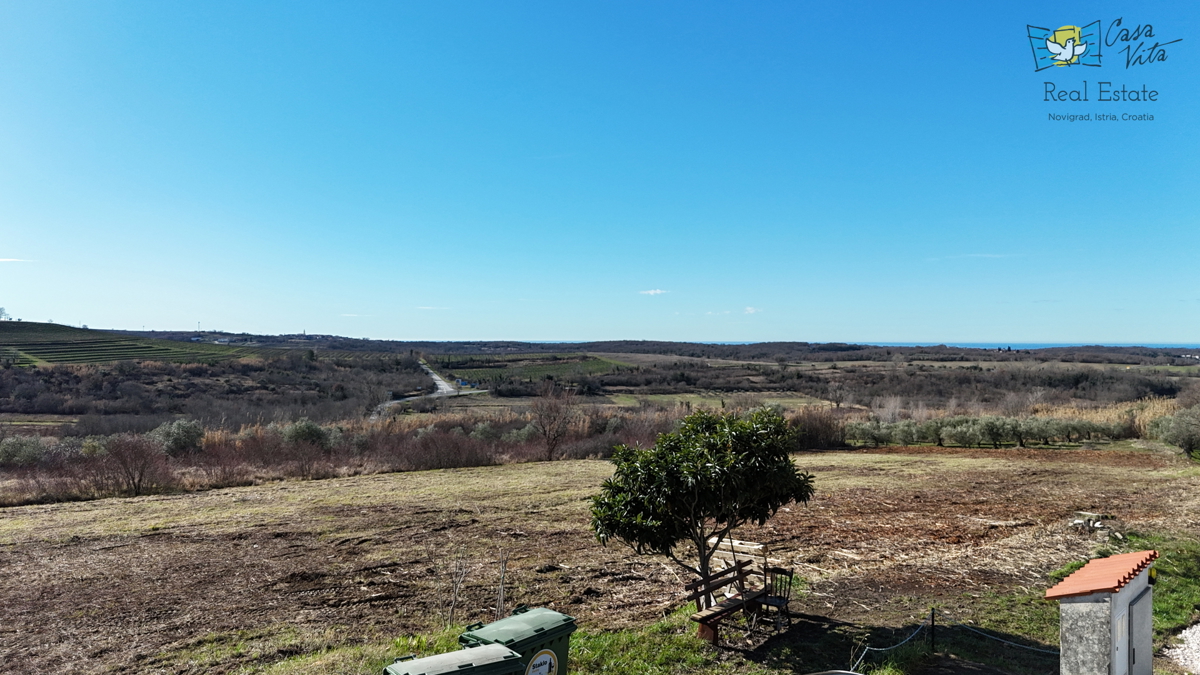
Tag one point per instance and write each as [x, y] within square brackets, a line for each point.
[1187, 653]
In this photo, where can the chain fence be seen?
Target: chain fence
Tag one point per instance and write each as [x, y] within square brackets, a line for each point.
[930, 624]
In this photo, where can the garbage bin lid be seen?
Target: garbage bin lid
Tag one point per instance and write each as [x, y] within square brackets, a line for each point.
[522, 625]
[483, 659]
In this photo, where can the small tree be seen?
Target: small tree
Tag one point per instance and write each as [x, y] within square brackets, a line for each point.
[837, 393]
[552, 412]
[715, 474]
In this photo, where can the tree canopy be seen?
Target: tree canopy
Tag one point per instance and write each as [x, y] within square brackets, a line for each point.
[713, 475]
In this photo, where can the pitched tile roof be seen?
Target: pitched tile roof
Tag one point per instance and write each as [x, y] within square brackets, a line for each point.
[1107, 575]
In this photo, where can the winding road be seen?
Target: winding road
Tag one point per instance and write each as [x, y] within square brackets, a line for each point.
[444, 389]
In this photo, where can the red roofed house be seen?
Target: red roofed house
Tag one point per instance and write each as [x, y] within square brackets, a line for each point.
[1106, 616]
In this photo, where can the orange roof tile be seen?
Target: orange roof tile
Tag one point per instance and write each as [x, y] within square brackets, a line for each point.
[1107, 575]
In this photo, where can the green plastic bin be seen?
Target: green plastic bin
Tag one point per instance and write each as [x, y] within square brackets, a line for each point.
[542, 636]
[482, 660]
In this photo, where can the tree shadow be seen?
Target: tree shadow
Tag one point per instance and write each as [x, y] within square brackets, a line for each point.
[814, 643]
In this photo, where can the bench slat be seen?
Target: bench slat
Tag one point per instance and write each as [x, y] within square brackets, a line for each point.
[725, 607]
[715, 576]
[709, 589]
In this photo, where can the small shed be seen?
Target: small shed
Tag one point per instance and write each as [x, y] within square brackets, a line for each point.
[1106, 618]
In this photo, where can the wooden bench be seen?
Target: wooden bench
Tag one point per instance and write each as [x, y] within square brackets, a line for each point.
[711, 612]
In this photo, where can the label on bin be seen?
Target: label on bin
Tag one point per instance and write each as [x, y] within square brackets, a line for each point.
[543, 663]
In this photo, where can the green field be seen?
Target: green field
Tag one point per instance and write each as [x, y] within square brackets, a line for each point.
[27, 343]
[524, 366]
[716, 400]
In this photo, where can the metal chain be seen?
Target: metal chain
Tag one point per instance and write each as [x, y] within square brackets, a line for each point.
[888, 649]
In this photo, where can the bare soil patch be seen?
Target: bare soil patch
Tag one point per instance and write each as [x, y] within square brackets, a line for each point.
[216, 581]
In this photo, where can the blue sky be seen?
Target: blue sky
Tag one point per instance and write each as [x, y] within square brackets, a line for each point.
[834, 171]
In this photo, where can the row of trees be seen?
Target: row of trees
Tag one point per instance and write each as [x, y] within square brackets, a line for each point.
[990, 430]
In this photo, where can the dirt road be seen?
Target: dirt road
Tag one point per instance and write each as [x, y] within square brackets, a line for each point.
[444, 389]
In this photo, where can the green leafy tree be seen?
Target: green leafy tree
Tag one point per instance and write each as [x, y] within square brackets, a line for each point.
[716, 473]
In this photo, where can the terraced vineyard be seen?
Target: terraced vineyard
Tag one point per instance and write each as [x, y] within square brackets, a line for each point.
[25, 343]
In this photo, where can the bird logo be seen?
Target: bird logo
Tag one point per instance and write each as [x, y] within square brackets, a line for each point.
[1068, 51]
[1065, 46]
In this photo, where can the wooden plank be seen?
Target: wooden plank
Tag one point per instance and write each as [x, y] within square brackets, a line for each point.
[727, 606]
[717, 575]
[725, 556]
[738, 546]
[712, 588]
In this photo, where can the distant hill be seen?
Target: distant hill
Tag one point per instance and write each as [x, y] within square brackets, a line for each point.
[758, 351]
[29, 343]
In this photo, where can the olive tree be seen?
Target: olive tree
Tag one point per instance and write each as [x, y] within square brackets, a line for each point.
[1181, 429]
[716, 473]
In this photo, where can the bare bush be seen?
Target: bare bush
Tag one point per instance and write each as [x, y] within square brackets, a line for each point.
[818, 427]
[744, 402]
[552, 413]
[138, 464]
[594, 447]
[887, 409]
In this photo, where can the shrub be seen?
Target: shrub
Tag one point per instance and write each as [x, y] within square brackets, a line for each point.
[484, 432]
[1181, 429]
[817, 428]
[613, 425]
[442, 450]
[523, 435]
[179, 437]
[596, 447]
[21, 451]
[305, 431]
[137, 463]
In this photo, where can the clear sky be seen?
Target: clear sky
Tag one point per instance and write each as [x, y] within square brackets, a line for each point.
[832, 171]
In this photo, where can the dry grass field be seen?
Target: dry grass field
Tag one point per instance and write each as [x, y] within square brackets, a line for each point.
[340, 575]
